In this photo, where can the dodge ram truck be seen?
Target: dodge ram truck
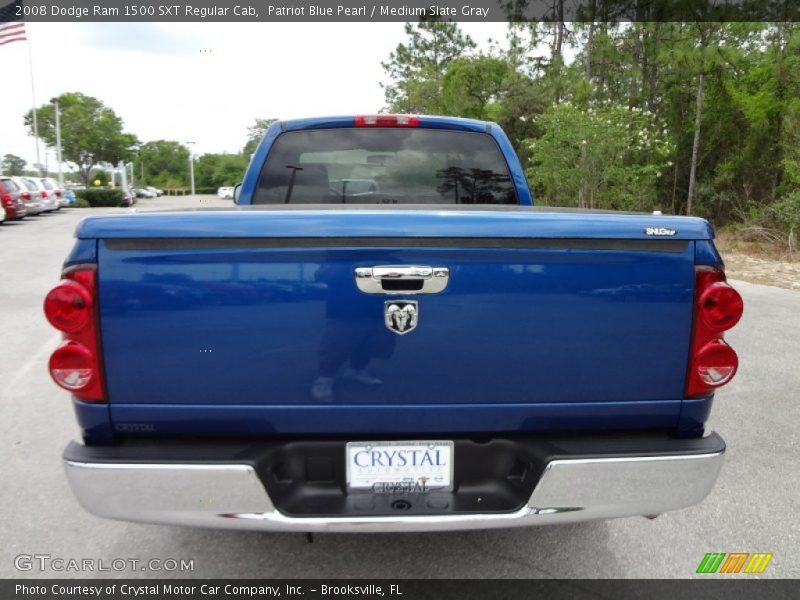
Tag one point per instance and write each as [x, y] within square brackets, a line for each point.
[384, 334]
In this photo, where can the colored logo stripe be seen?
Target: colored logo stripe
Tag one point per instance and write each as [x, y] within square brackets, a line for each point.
[711, 562]
[735, 562]
[758, 562]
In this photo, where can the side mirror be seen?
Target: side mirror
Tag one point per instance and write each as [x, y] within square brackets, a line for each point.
[237, 189]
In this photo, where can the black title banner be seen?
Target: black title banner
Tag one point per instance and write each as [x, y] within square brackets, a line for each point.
[400, 10]
[400, 589]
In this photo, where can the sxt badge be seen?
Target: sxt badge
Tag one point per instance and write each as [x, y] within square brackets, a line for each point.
[659, 231]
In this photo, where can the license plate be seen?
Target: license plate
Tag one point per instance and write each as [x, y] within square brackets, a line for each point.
[399, 467]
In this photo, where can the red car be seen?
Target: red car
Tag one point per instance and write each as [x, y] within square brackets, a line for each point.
[11, 197]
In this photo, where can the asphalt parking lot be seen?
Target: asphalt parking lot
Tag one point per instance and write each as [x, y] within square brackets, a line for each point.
[753, 507]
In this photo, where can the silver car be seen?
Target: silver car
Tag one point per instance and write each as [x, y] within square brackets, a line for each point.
[54, 188]
[2, 214]
[30, 195]
[48, 199]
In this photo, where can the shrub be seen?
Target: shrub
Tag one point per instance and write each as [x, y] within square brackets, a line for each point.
[786, 213]
[100, 197]
[101, 176]
[606, 156]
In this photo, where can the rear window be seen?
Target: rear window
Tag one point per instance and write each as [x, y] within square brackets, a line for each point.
[10, 186]
[47, 184]
[31, 185]
[384, 166]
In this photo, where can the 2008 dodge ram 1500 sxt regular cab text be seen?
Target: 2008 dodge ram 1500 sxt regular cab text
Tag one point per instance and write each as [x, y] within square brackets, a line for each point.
[385, 335]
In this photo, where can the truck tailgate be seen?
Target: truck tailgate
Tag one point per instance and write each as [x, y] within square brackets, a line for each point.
[228, 331]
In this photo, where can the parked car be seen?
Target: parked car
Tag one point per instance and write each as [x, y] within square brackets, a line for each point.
[11, 199]
[128, 197]
[69, 194]
[155, 191]
[46, 196]
[145, 193]
[54, 187]
[2, 214]
[326, 364]
[226, 193]
[30, 196]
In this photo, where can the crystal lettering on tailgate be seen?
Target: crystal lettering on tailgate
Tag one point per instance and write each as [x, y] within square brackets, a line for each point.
[401, 487]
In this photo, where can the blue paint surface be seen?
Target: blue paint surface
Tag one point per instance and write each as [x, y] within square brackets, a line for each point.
[257, 222]
[230, 340]
[256, 326]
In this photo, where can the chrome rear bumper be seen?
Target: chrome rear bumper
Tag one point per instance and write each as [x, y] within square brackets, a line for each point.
[232, 496]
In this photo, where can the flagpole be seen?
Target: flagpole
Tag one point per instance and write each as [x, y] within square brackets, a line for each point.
[33, 98]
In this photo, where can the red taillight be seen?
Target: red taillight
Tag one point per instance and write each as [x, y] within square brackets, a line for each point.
[26, 195]
[6, 198]
[43, 194]
[717, 308]
[720, 306]
[68, 306]
[72, 366]
[71, 308]
[716, 363]
[387, 121]
[58, 194]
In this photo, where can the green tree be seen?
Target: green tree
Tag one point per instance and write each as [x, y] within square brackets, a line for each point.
[608, 156]
[415, 69]
[91, 132]
[230, 169]
[163, 163]
[99, 175]
[474, 87]
[12, 165]
[254, 134]
[724, 97]
[217, 170]
[204, 169]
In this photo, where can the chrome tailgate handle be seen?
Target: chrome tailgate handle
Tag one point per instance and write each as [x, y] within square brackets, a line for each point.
[402, 279]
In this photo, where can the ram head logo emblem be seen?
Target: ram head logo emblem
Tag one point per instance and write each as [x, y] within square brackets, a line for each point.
[401, 316]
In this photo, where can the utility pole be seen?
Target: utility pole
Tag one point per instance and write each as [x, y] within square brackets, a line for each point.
[58, 141]
[191, 165]
[33, 98]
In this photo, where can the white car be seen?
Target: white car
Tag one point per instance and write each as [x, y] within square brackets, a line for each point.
[155, 191]
[45, 196]
[2, 214]
[225, 192]
[145, 193]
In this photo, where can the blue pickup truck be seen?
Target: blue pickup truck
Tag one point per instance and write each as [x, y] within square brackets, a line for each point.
[384, 334]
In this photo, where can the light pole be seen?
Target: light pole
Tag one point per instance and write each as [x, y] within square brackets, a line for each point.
[123, 175]
[191, 165]
[58, 141]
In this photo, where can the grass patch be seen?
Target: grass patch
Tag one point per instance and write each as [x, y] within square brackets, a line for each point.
[758, 241]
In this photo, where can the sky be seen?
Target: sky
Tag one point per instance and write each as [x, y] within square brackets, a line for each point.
[201, 82]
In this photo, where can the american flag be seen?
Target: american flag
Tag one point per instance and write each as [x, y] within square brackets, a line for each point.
[12, 32]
